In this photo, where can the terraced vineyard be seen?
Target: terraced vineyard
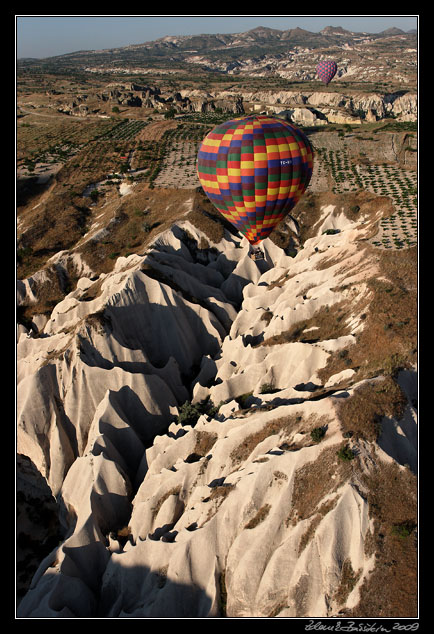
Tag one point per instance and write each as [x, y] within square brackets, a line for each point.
[174, 156]
[126, 130]
[50, 139]
[179, 169]
[385, 179]
[400, 230]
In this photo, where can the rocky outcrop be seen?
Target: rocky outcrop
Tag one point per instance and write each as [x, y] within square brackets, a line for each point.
[402, 106]
[133, 95]
[241, 511]
[318, 108]
[305, 108]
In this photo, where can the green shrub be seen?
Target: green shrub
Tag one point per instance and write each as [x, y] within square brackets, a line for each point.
[241, 400]
[212, 409]
[331, 232]
[268, 388]
[317, 434]
[188, 414]
[23, 252]
[345, 453]
[403, 530]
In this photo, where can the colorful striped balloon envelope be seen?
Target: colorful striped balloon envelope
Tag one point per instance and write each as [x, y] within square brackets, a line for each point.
[254, 169]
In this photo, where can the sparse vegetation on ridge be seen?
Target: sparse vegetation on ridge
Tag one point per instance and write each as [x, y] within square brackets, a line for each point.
[392, 498]
[361, 414]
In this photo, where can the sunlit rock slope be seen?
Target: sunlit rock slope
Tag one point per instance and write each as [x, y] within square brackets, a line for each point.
[218, 439]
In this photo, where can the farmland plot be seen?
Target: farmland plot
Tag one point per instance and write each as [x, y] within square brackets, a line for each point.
[400, 229]
[385, 179]
[125, 130]
[320, 176]
[179, 168]
[39, 137]
[169, 150]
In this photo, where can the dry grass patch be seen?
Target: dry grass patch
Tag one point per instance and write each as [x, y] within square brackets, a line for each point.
[307, 212]
[348, 580]
[93, 291]
[204, 442]
[217, 496]
[390, 591]
[154, 131]
[316, 480]
[62, 219]
[210, 226]
[99, 321]
[283, 426]
[57, 224]
[367, 204]
[220, 492]
[388, 340]
[337, 362]
[267, 316]
[315, 522]
[49, 292]
[279, 282]
[174, 491]
[361, 413]
[353, 204]
[259, 517]
[58, 219]
[328, 323]
[207, 219]
[135, 221]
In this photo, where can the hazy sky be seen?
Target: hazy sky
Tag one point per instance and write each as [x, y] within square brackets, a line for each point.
[45, 35]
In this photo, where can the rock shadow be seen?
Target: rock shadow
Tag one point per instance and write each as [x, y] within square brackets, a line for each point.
[139, 592]
[27, 187]
[232, 284]
[399, 439]
[165, 331]
[38, 529]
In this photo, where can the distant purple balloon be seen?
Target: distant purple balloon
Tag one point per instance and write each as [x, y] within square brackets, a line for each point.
[326, 70]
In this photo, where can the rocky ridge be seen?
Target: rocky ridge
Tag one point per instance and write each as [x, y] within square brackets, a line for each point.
[243, 510]
[302, 107]
[261, 52]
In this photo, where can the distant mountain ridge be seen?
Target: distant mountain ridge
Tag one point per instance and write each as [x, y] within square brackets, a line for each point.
[255, 41]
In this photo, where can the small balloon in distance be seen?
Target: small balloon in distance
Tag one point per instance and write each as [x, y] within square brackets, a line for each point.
[326, 70]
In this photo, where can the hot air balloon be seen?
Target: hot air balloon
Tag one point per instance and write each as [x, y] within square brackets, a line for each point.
[326, 70]
[254, 169]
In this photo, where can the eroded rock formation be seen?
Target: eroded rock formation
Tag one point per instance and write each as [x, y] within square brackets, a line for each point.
[245, 512]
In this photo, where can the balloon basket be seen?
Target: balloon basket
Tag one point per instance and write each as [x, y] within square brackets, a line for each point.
[256, 254]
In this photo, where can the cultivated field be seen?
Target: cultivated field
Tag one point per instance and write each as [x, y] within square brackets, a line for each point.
[102, 160]
[350, 162]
